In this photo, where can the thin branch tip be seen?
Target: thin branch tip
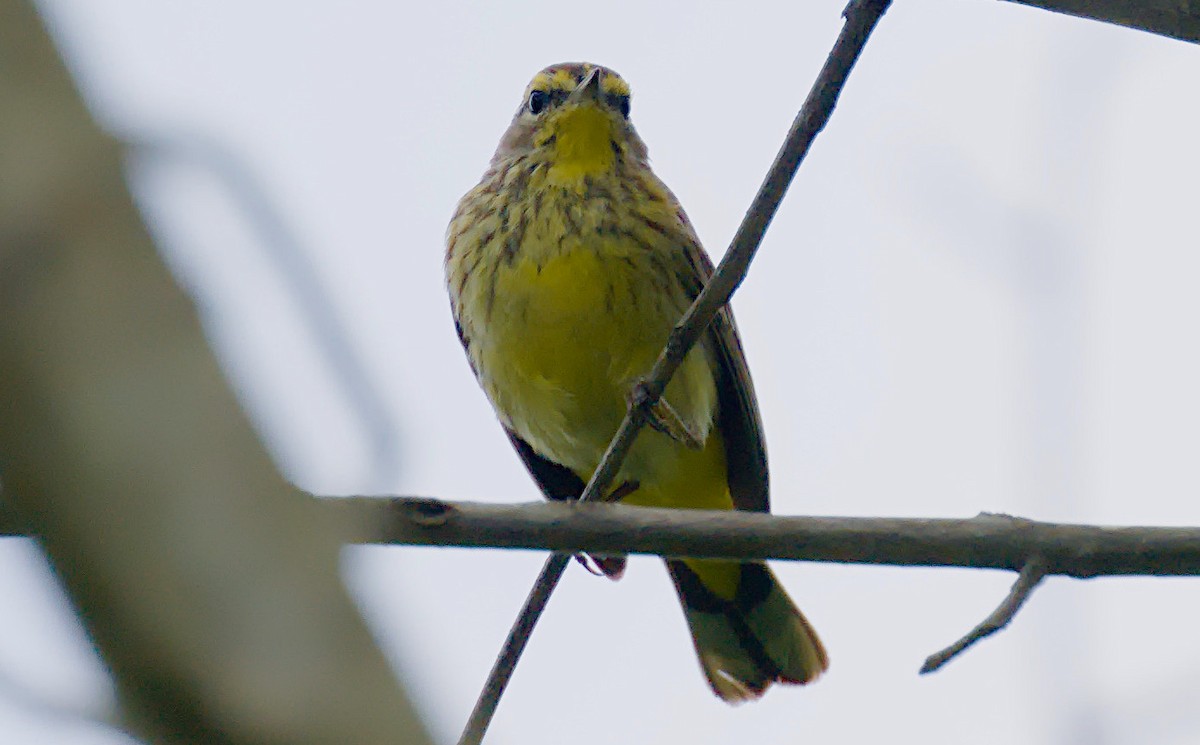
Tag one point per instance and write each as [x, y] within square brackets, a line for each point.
[1032, 574]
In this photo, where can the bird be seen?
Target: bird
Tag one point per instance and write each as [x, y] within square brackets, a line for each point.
[567, 267]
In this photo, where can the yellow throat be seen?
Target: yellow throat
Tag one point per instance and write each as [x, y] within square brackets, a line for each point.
[582, 142]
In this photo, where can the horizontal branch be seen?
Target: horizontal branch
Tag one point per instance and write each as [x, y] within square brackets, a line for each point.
[986, 541]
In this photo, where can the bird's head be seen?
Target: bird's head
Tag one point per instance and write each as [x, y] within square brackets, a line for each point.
[574, 117]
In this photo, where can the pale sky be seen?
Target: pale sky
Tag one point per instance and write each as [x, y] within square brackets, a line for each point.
[978, 296]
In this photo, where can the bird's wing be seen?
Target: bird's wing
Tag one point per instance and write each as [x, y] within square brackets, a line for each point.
[555, 480]
[737, 418]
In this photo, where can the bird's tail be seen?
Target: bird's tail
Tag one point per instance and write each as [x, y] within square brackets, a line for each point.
[746, 629]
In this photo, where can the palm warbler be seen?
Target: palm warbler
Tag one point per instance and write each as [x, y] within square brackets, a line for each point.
[567, 267]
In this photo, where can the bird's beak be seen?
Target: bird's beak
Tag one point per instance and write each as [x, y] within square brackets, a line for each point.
[588, 90]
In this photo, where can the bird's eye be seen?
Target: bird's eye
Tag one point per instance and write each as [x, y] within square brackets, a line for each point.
[538, 101]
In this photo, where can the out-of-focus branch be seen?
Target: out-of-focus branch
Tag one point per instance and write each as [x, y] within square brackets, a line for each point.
[11, 524]
[209, 585]
[1179, 19]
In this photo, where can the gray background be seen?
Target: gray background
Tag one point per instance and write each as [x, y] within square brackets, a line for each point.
[979, 295]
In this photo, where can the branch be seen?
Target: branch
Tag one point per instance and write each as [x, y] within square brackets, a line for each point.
[1031, 576]
[208, 584]
[1179, 19]
[987, 541]
[990, 541]
[861, 17]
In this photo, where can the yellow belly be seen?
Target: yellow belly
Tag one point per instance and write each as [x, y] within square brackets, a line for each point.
[567, 338]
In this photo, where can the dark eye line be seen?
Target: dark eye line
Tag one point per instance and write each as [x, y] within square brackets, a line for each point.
[540, 99]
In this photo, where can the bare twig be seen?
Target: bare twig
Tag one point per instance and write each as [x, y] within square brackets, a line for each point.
[987, 541]
[514, 647]
[861, 17]
[1031, 576]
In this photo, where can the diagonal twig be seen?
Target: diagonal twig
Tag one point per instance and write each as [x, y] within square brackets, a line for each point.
[1031, 576]
[861, 17]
